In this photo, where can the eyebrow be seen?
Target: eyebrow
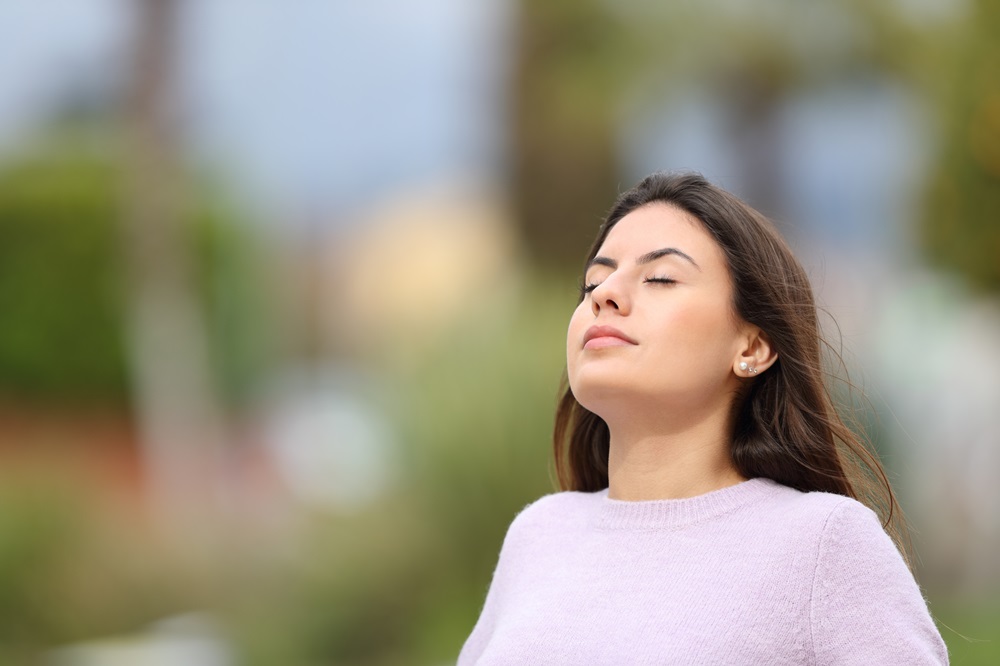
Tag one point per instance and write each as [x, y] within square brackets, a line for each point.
[644, 259]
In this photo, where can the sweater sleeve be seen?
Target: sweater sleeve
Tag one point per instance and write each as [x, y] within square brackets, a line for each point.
[866, 606]
[482, 632]
[476, 643]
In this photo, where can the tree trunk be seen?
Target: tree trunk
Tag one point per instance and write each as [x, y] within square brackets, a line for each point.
[175, 404]
[565, 171]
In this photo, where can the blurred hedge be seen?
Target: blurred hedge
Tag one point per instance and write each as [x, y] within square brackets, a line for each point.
[61, 275]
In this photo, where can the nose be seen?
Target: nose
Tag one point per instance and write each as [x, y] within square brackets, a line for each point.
[609, 294]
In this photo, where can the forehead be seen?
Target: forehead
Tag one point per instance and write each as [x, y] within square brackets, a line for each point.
[659, 225]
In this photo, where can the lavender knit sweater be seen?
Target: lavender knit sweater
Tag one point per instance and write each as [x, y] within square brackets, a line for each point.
[756, 573]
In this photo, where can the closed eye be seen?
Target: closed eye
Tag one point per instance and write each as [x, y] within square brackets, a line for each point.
[587, 288]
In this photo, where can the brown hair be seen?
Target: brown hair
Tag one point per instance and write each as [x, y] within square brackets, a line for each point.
[786, 426]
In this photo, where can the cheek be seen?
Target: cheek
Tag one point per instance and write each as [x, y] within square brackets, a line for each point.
[698, 336]
[575, 330]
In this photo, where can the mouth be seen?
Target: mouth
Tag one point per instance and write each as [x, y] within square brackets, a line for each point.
[600, 337]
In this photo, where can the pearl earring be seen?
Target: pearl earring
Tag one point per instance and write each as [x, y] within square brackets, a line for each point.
[743, 366]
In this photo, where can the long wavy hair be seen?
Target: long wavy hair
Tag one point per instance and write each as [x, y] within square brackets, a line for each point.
[786, 425]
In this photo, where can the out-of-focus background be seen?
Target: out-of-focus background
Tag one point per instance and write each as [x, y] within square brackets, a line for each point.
[284, 286]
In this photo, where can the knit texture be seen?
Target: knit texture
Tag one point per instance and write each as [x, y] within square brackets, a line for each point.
[756, 573]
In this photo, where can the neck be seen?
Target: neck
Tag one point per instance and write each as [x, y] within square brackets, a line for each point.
[657, 463]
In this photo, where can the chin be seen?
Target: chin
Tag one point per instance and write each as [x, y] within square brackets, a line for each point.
[600, 397]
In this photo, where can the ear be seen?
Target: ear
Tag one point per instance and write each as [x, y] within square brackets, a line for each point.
[757, 354]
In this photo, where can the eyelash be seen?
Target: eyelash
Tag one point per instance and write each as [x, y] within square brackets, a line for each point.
[587, 288]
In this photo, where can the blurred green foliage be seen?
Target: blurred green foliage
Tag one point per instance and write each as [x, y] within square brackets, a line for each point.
[972, 632]
[36, 528]
[68, 574]
[63, 336]
[961, 227]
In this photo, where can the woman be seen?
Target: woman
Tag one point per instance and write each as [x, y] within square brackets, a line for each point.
[710, 511]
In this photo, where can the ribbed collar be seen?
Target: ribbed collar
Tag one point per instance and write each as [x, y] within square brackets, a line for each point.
[674, 513]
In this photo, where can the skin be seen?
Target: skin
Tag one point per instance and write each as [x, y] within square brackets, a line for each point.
[667, 398]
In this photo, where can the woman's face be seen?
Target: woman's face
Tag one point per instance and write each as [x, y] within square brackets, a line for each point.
[657, 329]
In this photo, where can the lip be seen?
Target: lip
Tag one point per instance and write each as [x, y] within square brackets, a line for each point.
[597, 337]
